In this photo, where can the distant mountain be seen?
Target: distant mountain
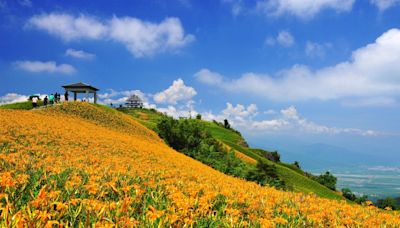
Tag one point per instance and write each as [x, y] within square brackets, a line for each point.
[325, 156]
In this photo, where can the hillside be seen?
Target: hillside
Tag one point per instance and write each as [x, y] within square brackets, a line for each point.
[84, 165]
[293, 177]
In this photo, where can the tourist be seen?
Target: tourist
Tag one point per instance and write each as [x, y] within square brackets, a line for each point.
[34, 101]
[66, 96]
[51, 99]
[56, 98]
[45, 100]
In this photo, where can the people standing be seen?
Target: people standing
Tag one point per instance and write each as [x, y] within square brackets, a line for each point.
[66, 96]
[51, 99]
[56, 98]
[34, 101]
[45, 100]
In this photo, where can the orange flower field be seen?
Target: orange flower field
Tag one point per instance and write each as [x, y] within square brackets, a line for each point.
[82, 165]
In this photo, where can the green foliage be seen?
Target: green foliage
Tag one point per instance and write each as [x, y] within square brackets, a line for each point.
[266, 174]
[190, 137]
[388, 202]
[327, 179]
[272, 156]
[348, 194]
[198, 117]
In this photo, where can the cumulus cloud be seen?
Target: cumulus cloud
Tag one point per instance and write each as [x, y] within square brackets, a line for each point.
[12, 98]
[303, 9]
[45, 67]
[288, 120]
[284, 38]
[372, 71]
[69, 27]
[385, 4]
[79, 54]
[141, 38]
[145, 39]
[207, 77]
[178, 91]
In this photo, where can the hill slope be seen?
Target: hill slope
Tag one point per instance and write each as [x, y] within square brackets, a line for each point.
[232, 139]
[80, 165]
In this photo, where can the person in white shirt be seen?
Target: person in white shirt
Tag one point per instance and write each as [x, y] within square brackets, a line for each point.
[34, 102]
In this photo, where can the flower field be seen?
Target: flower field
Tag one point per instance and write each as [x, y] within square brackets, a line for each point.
[84, 165]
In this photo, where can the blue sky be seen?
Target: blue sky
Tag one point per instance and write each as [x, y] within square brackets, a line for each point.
[285, 72]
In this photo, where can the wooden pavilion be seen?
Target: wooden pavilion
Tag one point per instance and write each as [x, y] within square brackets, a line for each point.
[82, 88]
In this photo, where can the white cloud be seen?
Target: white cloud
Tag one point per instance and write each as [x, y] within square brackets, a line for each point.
[303, 9]
[47, 67]
[317, 50]
[373, 71]
[79, 54]
[141, 38]
[385, 4]
[145, 38]
[178, 91]
[12, 98]
[288, 121]
[207, 77]
[68, 27]
[284, 38]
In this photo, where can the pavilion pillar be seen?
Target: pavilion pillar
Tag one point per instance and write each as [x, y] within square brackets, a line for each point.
[74, 96]
[95, 97]
[87, 96]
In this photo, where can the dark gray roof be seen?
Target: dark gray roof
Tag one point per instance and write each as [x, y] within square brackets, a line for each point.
[80, 85]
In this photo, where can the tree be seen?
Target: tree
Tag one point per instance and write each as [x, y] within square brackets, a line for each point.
[198, 116]
[226, 124]
[297, 164]
[387, 202]
[272, 156]
[328, 180]
[263, 173]
[348, 194]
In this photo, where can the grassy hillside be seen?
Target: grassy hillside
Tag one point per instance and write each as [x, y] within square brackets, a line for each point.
[26, 105]
[293, 177]
[81, 165]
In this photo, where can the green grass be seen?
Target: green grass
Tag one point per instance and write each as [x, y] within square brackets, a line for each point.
[292, 176]
[147, 117]
[26, 105]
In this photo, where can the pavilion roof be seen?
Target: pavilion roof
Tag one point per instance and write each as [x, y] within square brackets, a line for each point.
[80, 85]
